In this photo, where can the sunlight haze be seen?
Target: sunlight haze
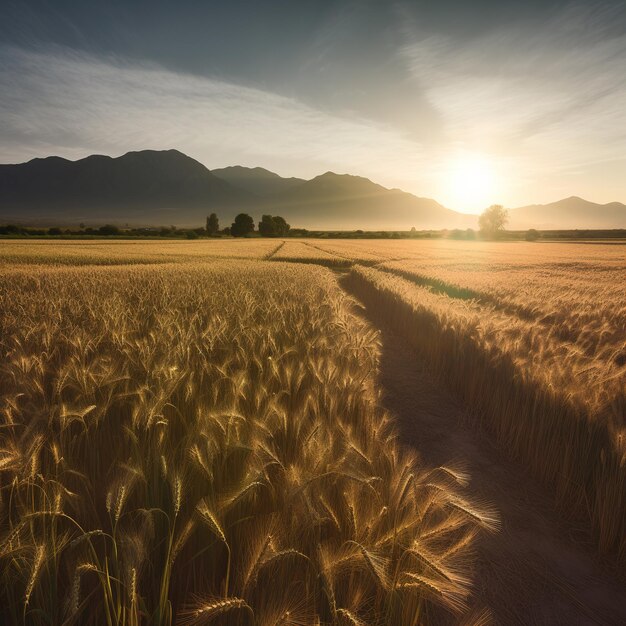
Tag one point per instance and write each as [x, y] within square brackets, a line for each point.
[535, 91]
[469, 183]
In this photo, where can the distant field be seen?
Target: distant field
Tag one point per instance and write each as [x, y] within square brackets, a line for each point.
[194, 430]
[365, 251]
[118, 252]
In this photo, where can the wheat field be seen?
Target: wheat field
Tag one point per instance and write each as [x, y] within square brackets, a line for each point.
[540, 331]
[203, 442]
[193, 432]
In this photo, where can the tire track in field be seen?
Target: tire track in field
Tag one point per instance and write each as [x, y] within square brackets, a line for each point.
[539, 569]
[352, 261]
[268, 256]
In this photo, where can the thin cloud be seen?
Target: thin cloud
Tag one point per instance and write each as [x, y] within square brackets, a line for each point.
[549, 96]
[543, 98]
[76, 104]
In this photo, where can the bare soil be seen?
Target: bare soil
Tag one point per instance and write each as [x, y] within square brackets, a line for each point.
[539, 569]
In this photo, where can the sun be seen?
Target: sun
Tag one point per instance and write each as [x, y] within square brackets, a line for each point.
[470, 182]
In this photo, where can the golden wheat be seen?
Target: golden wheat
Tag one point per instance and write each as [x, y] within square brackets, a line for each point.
[550, 402]
[120, 252]
[203, 442]
[308, 252]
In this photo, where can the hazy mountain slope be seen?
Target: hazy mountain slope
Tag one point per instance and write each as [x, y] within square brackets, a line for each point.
[147, 186]
[167, 187]
[350, 202]
[256, 180]
[571, 212]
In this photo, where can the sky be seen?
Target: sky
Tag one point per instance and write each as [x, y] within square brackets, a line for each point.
[470, 103]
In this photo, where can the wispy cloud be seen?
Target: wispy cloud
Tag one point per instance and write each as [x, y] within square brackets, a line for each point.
[74, 104]
[379, 93]
[548, 97]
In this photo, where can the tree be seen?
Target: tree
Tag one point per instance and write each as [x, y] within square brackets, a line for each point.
[266, 226]
[282, 228]
[10, 229]
[212, 225]
[55, 231]
[532, 235]
[109, 229]
[242, 226]
[493, 220]
[273, 226]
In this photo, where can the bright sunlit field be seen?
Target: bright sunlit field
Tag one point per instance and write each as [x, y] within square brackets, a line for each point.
[195, 432]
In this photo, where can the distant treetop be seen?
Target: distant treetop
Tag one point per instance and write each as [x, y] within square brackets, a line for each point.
[493, 220]
[273, 226]
[242, 226]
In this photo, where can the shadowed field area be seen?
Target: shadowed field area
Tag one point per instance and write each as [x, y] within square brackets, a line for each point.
[539, 568]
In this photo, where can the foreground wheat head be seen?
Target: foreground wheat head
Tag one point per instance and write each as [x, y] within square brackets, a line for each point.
[203, 444]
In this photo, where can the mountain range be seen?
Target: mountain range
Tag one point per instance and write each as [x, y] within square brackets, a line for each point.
[572, 212]
[167, 187]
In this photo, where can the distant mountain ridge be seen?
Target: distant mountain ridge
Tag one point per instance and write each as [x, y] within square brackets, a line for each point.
[256, 180]
[137, 186]
[572, 212]
[167, 187]
[345, 201]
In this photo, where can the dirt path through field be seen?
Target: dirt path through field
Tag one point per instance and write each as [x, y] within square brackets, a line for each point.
[537, 570]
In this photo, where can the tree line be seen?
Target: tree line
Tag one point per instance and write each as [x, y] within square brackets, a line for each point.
[492, 223]
[243, 226]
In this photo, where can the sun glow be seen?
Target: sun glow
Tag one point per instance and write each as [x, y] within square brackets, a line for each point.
[470, 182]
